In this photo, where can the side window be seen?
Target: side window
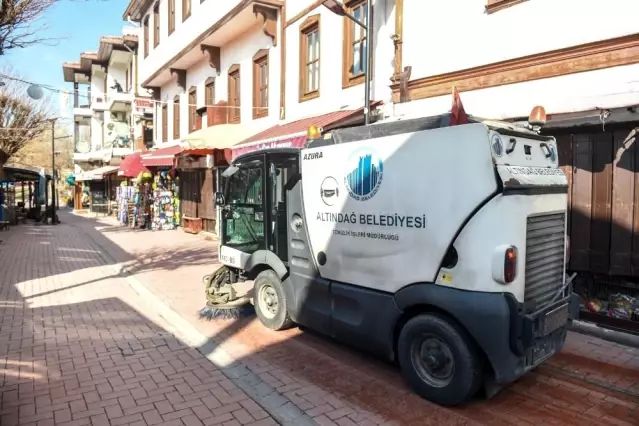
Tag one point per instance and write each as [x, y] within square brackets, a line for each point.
[245, 186]
[285, 169]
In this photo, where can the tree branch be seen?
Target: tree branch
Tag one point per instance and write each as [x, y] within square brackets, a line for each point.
[22, 119]
[19, 26]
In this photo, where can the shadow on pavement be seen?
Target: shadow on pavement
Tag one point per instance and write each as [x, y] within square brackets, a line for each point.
[102, 361]
[331, 382]
[70, 253]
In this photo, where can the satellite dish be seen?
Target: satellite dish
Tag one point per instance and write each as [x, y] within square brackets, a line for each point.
[35, 92]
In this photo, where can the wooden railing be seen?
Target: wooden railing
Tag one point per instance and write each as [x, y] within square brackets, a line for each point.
[219, 114]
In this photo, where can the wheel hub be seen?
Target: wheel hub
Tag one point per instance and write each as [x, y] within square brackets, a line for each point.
[268, 300]
[433, 360]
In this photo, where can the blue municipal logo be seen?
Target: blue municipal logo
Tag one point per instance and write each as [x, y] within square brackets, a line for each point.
[364, 176]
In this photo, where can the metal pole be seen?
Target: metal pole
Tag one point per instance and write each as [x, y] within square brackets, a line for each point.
[367, 71]
[53, 191]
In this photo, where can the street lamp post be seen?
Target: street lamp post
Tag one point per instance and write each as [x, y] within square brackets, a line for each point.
[338, 8]
[53, 191]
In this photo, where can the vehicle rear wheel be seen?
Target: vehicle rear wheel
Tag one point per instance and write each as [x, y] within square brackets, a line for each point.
[438, 360]
[271, 305]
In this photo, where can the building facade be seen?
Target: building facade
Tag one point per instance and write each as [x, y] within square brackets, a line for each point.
[505, 56]
[210, 63]
[325, 56]
[577, 59]
[107, 119]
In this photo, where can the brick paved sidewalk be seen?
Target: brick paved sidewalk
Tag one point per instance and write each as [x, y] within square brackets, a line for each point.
[590, 382]
[79, 347]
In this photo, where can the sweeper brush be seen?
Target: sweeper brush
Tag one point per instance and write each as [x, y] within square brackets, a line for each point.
[222, 301]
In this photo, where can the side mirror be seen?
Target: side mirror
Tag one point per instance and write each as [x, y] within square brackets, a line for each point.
[219, 199]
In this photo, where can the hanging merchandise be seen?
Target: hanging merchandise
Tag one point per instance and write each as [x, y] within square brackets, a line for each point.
[144, 201]
[125, 196]
[165, 213]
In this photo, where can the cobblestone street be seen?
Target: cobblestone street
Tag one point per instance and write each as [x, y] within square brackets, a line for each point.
[84, 347]
[79, 347]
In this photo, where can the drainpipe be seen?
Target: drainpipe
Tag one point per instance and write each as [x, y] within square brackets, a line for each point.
[135, 91]
[135, 24]
[135, 69]
[135, 73]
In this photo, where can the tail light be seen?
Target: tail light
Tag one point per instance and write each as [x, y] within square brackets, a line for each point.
[510, 264]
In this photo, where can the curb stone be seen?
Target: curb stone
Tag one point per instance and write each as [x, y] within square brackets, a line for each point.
[277, 405]
[613, 336]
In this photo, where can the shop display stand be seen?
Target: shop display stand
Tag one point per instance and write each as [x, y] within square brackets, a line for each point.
[613, 305]
[163, 210]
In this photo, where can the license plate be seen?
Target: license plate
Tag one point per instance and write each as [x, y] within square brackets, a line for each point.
[542, 350]
[555, 319]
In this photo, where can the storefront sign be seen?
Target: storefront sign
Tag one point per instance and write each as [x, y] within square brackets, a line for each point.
[143, 106]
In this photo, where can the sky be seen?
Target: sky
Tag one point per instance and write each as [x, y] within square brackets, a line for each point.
[77, 25]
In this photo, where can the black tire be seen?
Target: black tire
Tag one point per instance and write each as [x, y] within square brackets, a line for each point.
[280, 320]
[460, 384]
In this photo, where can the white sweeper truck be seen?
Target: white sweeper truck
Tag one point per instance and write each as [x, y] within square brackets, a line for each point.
[440, 247]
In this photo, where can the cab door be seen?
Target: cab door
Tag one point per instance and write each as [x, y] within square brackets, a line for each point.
[243, 224]
[308, 294]
[282, 167]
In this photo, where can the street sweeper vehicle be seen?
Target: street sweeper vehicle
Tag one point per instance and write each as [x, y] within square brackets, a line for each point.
[440, 247]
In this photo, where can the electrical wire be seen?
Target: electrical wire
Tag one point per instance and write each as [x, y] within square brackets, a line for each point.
[85, 96]
[18, 129]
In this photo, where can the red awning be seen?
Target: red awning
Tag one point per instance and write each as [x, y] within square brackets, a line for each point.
[293, 134]
[132, 166]
[162, 157]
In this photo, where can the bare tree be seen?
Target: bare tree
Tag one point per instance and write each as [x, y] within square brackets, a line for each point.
[19, 23]
[37, 152]
[22, 119]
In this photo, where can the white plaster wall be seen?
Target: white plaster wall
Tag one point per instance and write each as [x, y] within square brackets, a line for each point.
[97, 85]
[96, 135]
[240, 51]
[608, 88]
[97, 90]
[332, 95]
[114, 73]
[450, 35]
[203, 15]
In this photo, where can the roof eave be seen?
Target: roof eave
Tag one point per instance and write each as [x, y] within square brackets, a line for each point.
[135, 10]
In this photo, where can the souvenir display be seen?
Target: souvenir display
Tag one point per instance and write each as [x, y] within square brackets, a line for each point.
[125, 196]
[165, 201]
[150, 203]
[621, 306]
[163, 210]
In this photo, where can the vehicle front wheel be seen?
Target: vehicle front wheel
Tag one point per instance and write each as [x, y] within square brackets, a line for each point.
[438, 360]
[270, 301]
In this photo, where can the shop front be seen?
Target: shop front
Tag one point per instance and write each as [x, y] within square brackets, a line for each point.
[165, 188]
[94, 190]
[294, 133]
[201, 170]
[133, 195]
[601, 162]
[205, 155]
[22, 192]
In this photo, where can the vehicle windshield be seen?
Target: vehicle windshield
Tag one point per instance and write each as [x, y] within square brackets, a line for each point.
[244, 227]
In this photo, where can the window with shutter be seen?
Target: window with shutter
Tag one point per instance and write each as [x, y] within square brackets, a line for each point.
[260, 84]
[176, 117]
[310, 58]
